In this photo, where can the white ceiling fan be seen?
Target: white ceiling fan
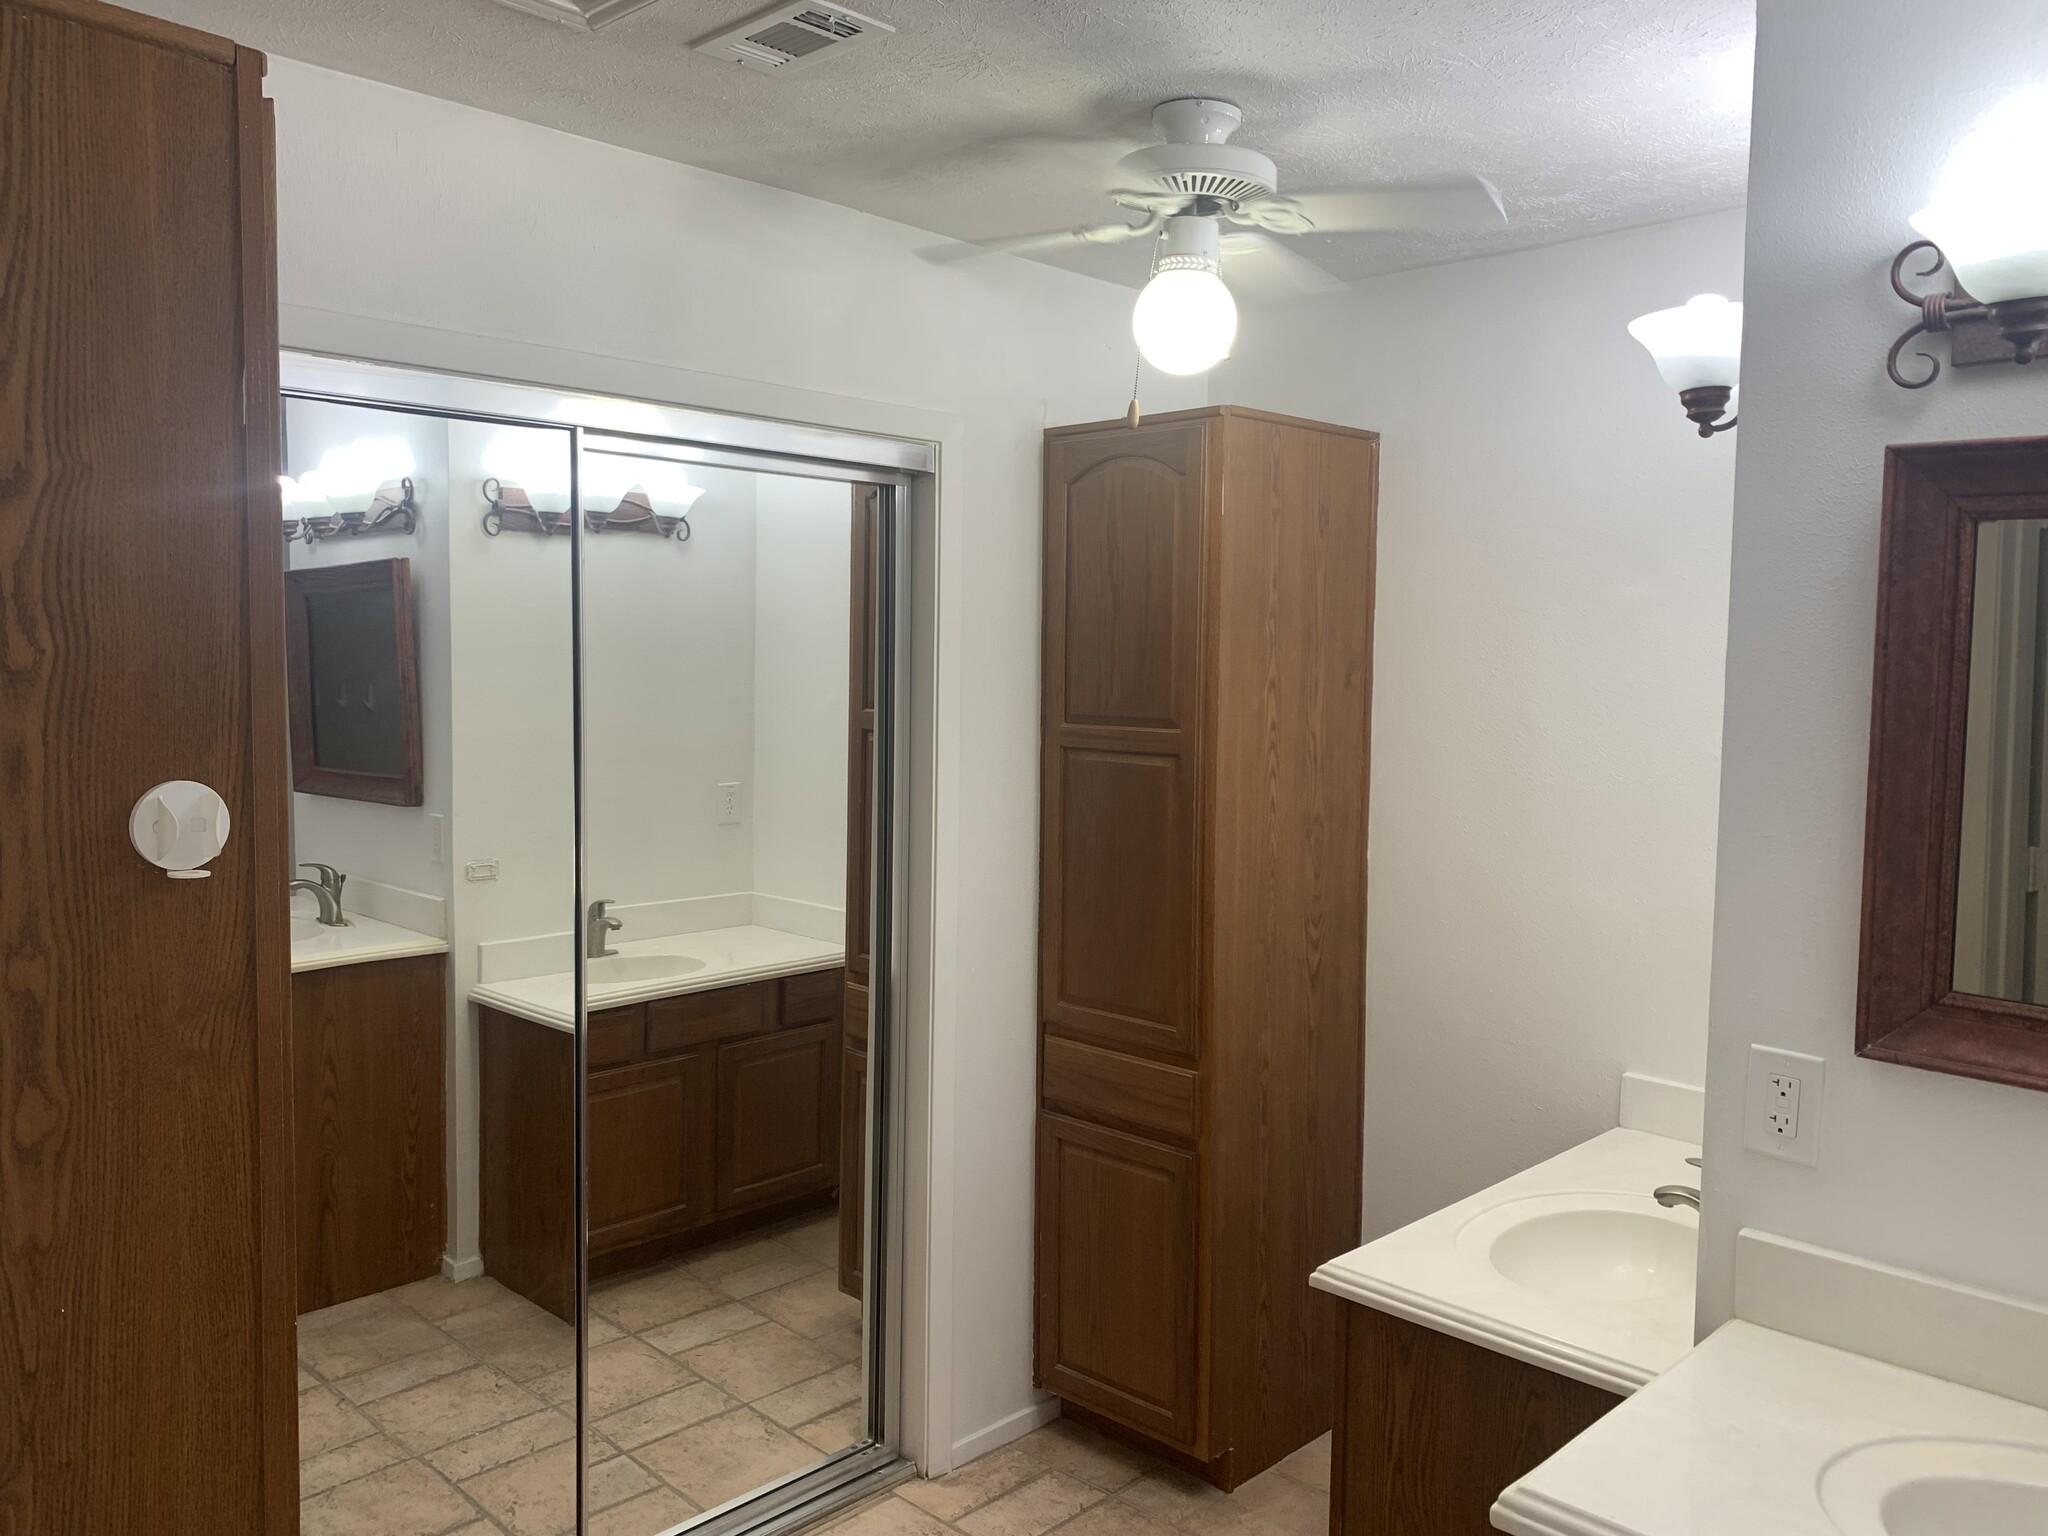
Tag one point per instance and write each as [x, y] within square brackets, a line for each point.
[1194, 184]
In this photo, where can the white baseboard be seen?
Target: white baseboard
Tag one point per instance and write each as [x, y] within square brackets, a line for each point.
[999, 1434]
[1936, 1327]
[461, 1269]
[1663, 1108]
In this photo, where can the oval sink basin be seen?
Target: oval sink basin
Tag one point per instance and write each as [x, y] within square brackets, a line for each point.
[1603, 1252]
[1938, 1488]
[631, 970]
[306, 928]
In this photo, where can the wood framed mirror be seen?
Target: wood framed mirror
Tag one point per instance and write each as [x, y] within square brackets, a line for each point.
[353, 658]
[1954, 972]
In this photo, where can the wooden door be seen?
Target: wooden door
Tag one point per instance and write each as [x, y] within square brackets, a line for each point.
[1124, 522]
[1117, 1280]
[652, 1141]
[778, 1112]
[147, 1281]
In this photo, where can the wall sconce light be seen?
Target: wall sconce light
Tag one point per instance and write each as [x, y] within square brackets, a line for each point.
[1698, 350]
[511, 507]
[635, 514]
[1989, 223]
[392, 509]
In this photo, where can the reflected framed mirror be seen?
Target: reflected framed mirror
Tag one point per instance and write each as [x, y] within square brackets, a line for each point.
[1954, 970]
[352, 660]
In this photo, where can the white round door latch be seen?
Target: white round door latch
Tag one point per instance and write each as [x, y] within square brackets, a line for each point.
[178, 826]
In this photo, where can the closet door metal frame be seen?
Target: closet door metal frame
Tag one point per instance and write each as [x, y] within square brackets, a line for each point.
[905, 472]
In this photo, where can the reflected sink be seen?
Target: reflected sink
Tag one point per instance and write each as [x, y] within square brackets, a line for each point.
[630, 970]
[1590, 1247]
[1938, 1488]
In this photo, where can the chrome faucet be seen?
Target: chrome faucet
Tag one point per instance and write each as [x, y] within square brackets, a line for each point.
[330, 877]
[594, 945]
[330, 908]
[1668, 1195]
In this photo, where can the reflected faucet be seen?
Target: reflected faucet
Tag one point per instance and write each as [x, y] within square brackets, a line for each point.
[594, 945]
[1668, 1195]
[330, 906]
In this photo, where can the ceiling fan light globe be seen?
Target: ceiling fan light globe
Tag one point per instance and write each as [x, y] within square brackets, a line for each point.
[1185, 321]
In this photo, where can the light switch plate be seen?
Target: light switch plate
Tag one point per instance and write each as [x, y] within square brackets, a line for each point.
[728, 805]
[1781, 1106]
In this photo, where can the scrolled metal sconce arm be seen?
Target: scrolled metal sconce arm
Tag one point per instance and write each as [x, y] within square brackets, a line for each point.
[1704, 405]
[390, 512]
[2012, 331]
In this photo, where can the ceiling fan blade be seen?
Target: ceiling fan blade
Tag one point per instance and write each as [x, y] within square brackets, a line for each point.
[1112, 233]
[1257, 266]
[1471, 204]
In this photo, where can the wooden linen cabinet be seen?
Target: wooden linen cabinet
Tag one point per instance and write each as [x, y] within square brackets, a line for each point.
[1207, 682]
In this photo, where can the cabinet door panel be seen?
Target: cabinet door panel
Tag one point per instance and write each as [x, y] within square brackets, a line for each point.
[1117, 1277]
[652, 1131]
[1125, 520]
[778, 1106]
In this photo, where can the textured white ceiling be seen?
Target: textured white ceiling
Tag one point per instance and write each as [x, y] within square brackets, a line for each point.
[987, 117]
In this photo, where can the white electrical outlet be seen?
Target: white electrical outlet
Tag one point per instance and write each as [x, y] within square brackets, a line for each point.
[1781, 1109]
[728, 805]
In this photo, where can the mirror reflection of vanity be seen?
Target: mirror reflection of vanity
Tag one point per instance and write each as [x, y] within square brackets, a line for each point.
[1955, 942]
[700, 678]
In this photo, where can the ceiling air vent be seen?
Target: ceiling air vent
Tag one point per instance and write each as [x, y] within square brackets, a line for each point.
[790, 36]
[587, 14]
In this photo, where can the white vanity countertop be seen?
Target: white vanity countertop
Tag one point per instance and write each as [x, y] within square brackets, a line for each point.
[1440, 1272]
[1759, 1433]
[726, 957]
[363, 940]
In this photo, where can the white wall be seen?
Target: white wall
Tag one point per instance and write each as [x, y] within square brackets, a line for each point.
[803, 589]
[393, 845]
[1552, 598]
[427, 233]
[1857, 103]
[668, 674]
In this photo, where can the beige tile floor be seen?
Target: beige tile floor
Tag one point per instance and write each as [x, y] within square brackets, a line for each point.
[443, 1410]
[1069, 1480]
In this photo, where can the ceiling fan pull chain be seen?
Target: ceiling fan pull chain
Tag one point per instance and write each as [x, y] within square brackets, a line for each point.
[1133, 415]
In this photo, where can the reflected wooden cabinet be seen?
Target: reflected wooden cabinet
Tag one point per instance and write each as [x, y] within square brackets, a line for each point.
[710, 1114]
[860, 806]
[1207, 684]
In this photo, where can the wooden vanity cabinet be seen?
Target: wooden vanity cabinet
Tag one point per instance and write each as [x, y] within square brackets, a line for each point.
[369, 1046]
[1207, 682]
[709, 1114]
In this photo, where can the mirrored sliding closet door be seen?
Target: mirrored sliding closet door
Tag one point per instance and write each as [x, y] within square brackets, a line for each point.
[596, 1020]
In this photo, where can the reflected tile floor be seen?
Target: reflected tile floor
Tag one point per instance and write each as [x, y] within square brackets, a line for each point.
[1073, 1481]
[442, 1409]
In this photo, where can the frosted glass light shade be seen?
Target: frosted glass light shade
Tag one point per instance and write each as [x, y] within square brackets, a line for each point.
[1185, 321]
[535, 461]
[1990, 209]
[607, 478]
[1695, 345]
[347, 477]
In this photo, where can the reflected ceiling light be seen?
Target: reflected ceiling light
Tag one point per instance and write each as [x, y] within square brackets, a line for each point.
[1988, 221]
[1698, 350]
[1186, 321]
[364, 486]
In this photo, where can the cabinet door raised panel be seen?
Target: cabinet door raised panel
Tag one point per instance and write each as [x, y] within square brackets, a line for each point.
[778, 1106]
[1117, 1279]
[1123, 559]
[652, 1133]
